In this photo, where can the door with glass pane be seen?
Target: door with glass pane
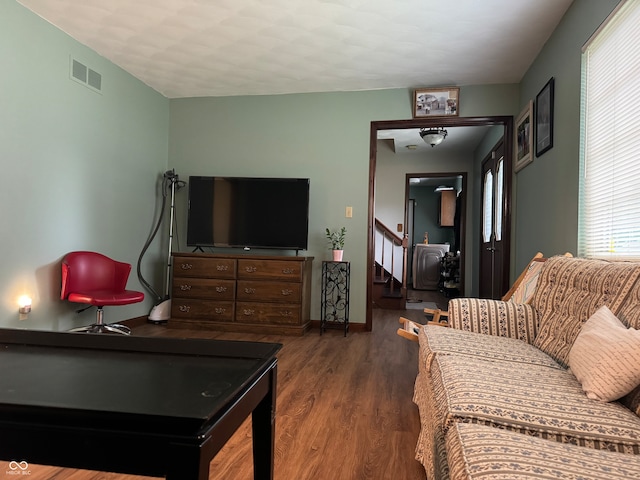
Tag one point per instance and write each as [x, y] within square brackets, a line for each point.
[494, 242]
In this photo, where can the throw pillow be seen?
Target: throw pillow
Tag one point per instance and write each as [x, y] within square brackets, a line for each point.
[605, 357]
[632, 400]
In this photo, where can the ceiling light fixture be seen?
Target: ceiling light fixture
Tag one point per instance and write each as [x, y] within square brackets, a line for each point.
[433, 136]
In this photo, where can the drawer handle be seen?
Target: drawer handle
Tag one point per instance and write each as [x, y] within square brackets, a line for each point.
[220, 310]
[286, 292]
[288, 271]
[185, 287]
[249, 291]
[221, 289]
[251, 269]
[186, 266]
[286, 313]
[222, 268]
[184, 308]
[248, 312]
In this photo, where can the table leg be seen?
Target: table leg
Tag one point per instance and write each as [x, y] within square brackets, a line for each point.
[187, 463]
[263, 426]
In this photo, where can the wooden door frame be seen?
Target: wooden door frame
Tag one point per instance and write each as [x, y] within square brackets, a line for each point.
[504, 121]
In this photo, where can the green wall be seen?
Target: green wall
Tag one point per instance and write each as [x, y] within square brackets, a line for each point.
[322, 136]
[79, 168]
[546, 191]
[427, 217]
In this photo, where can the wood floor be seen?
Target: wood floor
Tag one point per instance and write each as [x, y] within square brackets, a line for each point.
[344, 408]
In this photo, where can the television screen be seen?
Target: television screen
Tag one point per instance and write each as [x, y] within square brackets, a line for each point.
[248, 212]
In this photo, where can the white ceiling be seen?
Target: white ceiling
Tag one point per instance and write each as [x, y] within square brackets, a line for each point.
[191, 48]
[461, 140]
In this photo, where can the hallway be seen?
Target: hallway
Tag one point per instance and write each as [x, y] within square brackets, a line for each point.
[419, 299]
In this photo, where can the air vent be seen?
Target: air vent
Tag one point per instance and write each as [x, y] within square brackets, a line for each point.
[94, 79]
[79, 71]
[86, 76]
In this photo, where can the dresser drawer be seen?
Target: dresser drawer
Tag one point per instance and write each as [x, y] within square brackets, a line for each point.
[281, 292]
[267, 313]
[205, 267]
[258, 269]
[243, 292]
[206, 288]
[202, 309]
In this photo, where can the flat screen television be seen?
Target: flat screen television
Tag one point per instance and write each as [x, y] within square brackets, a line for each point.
[245, 212]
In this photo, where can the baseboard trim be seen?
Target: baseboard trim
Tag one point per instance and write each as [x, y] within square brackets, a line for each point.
[315, 324]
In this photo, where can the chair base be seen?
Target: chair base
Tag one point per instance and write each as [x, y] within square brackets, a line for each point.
[104, 328]
[101, 327]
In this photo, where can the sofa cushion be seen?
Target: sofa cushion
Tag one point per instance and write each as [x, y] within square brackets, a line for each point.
[632, 400]
[430, 447]
[605, 357]
[493, 317]
[629, 315]
[528, 398]
[629, 312]
[438, 340]
[570, 290]
[481, 452]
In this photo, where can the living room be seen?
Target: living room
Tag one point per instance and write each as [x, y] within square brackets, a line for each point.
[83, 167]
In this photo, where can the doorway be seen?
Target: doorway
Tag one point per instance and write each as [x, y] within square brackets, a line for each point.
[426, 198]
[505, 121]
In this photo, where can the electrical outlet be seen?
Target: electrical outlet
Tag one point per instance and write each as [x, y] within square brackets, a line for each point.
[348, 212]
[399, 228]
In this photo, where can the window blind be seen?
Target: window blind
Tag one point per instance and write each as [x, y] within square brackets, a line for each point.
[609, 220]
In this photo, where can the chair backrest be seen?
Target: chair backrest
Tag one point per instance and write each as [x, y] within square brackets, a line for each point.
[91, 271]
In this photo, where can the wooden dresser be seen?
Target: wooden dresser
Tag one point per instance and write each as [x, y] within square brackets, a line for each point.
[242, 293]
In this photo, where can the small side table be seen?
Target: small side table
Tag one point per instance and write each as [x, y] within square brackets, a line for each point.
[334, 309]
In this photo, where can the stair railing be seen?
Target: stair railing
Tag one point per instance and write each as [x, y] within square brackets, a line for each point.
[391, 255]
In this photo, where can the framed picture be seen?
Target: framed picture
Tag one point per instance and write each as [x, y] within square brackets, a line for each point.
[524, 138]
[544, 118]
[436, 102]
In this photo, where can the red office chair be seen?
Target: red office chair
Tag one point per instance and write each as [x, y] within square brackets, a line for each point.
[97, 280]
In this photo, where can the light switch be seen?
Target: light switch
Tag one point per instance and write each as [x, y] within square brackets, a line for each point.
[348, 212]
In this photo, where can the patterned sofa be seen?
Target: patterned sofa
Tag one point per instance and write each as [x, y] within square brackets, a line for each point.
[548, 389]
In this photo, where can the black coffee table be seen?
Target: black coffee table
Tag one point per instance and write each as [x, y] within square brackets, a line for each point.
[146, 406]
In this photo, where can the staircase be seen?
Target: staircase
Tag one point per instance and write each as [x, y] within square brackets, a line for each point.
[390, 266]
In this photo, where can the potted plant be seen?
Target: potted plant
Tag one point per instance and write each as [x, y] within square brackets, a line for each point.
[336, 240]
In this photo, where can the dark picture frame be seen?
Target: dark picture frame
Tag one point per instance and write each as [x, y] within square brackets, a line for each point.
[436, 102]
[544, 118]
